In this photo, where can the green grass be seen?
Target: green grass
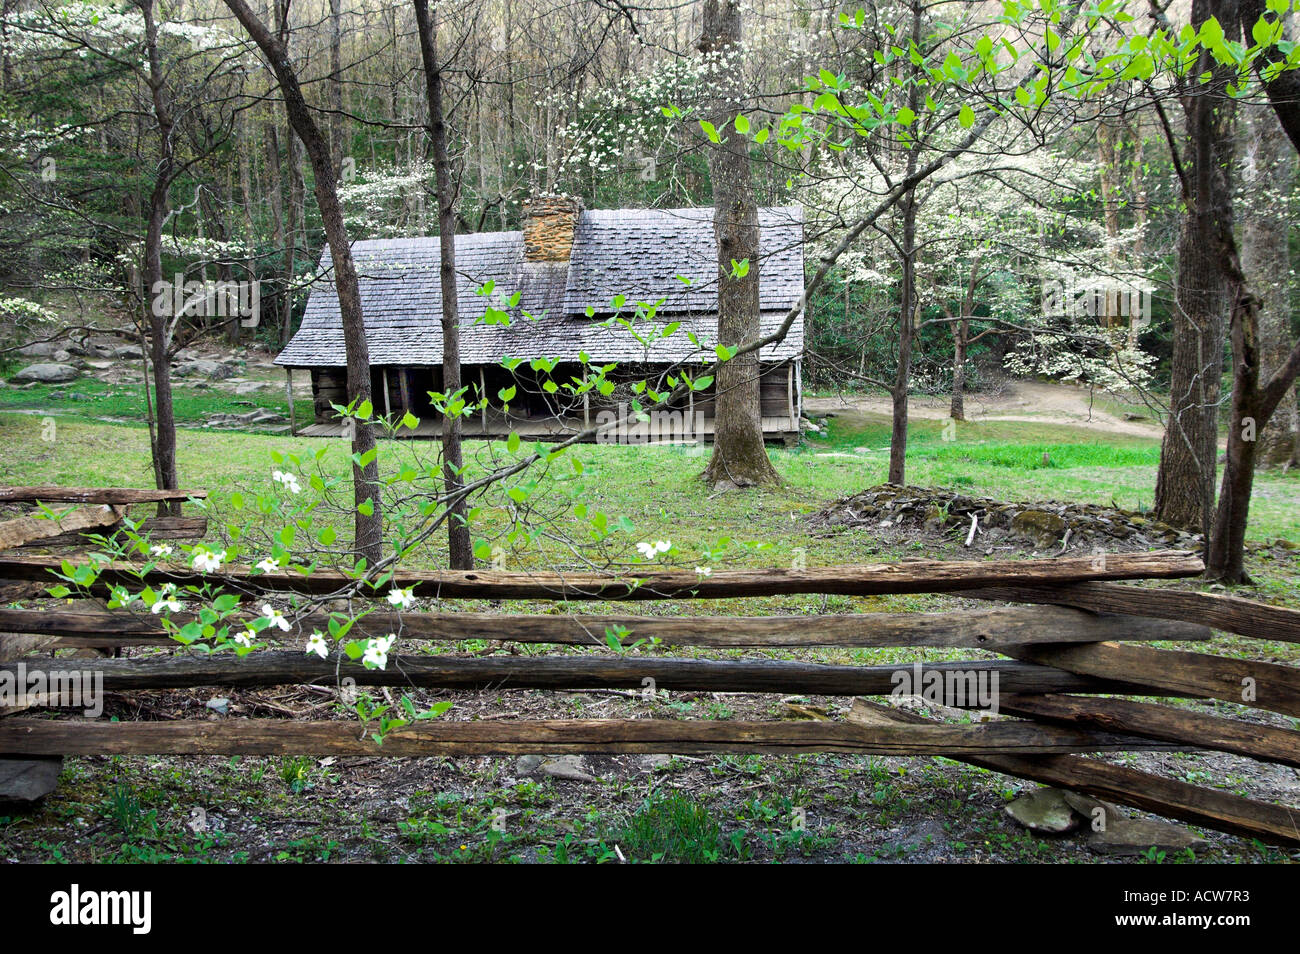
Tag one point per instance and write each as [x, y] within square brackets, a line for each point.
[672, 828]
[92, 398]
[657, 488]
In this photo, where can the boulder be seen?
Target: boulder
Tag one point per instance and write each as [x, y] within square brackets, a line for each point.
[47, 374]
[1044, 810]
[41, 349]
[1135, 836]
[23, 782]
[128, 351]
[203, 368]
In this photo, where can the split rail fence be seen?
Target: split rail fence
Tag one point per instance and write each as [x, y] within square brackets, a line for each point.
[1083, 642]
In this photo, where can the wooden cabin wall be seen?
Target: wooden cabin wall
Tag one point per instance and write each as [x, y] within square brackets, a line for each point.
[329, 386]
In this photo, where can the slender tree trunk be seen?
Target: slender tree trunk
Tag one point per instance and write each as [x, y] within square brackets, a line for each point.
[336, 125]
[160, 318]
[295, 216]
[1141, 212]
[368, 527]
[907, 317]
[739, 454]
[460, 549]
[907, 321]
[961, 333]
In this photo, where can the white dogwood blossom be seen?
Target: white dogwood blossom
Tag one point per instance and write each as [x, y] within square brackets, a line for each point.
[276, 617]
[316, 644]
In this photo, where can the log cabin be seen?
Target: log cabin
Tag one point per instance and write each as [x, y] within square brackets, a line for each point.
[574, 284]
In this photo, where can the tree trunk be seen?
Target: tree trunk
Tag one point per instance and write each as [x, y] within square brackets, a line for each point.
[368, 542]
[960, 335]
[1226, 556]
[906, 335]
[336, 85]
[1268, 173]
[739, 454]
[460, 550]
[907, 317]
[1184, 494]
[160, 318]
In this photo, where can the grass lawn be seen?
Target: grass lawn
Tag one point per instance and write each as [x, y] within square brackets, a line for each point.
[657, 488]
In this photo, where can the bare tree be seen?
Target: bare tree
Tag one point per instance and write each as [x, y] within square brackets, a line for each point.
[368, 542]
[460, 550]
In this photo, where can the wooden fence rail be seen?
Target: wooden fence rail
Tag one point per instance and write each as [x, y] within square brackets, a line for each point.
[958, 629]
[873, 579]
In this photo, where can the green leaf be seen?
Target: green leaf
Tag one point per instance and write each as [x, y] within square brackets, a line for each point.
[966, 117]
[512, 442]
[742, 124]
[366, 508]
[710, 130]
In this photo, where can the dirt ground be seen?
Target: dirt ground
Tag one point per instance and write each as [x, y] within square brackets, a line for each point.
[1028, 401]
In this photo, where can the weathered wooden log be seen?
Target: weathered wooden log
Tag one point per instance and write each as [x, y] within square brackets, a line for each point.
[1243, 681]
[26, 531]
[28, 737]
[1210, 808]
[920, 576]
[1232, 614]
[51, 493]
[575, 672]
[1264, 742]
[156, 528]
[960, 629]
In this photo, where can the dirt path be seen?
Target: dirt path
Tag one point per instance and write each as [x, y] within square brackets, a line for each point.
[1029, 401]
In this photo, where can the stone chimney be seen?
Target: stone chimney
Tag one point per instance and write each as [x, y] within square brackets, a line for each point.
[549, 221]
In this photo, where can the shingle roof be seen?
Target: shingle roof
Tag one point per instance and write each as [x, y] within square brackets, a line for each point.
[634, 252]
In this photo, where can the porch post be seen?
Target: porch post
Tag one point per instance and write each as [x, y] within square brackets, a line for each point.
[288, 391]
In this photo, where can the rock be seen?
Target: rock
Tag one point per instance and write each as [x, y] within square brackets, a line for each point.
[128, 351]
[1095, 813]
[935, 519]
[1041, 528]
[62, 356]
[248, 387]
[1045, 810]
[1134, 836]
[571, 768]
[41, 349]
[527, 764]
[23, 782]
[203, 368]
[47, 374]
[218, 704]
